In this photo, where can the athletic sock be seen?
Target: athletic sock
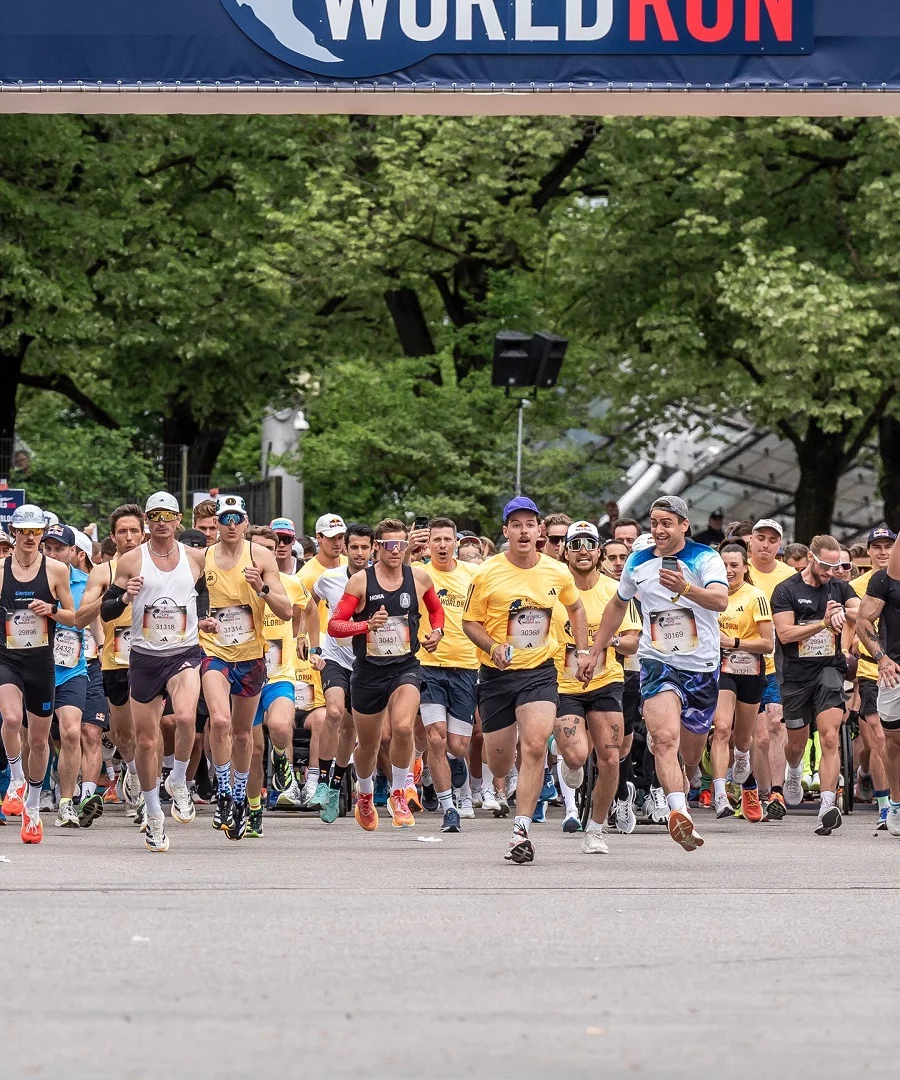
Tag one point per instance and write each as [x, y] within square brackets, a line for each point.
[677, 801]
[33, 798]
[151, 803]
[718, 788]
[882, 798]
[279, 753]
[568, 793]
[487, 778]
[795, 771]
[445, 798]
[324, 770]
[750, 783]
[223, 778]
[255, 803]
[87, 789]
[827, 801]
[626, 773]
[179, 772]
[131, 766]
[594, 826]
[523, 822]
[365, 785]
[337, 777]
[314, 774]
[240, 785]
[400, 778]
[15, 768]
[169, 761]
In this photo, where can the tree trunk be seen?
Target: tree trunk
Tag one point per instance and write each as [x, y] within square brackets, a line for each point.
[11, 366]
[822, 459]
[889, 448]
[204, 441]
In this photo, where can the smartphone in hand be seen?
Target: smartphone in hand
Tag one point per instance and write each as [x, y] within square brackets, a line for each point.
[421, 522]
[670, 563]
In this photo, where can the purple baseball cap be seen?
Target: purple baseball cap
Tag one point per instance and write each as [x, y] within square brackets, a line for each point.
[520, 502]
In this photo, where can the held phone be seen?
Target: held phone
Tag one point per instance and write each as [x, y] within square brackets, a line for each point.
[670, 563]
[421, 522]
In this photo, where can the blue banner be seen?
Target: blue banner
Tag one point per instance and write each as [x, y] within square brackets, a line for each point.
[10, 500]
[730, 44]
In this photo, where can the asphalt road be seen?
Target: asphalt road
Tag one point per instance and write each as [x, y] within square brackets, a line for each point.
[328, 952]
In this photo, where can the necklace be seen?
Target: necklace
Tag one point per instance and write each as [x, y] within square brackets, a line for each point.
[162, 554]
[25, 565]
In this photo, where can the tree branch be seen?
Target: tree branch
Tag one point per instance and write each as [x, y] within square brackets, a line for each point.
[872, 420]
[62, 384]
[789, 432]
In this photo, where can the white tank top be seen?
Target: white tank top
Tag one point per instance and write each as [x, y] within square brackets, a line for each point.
[164, 612]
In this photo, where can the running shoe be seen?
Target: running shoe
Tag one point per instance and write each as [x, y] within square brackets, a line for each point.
[882, 819]
[14, 799]
[793, 791]
[459, 773]
[365, 813]
[682, 831]
[478, 798]
[89, 810]
[626, 820]
[828, 821]
[381, 790]
[131, 788]
[571, 823]
[815, 783]
[466, 809]
[429, 798]
[32, 831]
[412, 799]
[140, 815]
[733, 791]
[540, 813]
[308, 794]
[111, 795]
[237, 827]
[512, 782]
[155, 838]
[865, 789]
[120, 785]
[573, 777]
[723, 806]
[318, 798]
[330, 805]
[417, 770]
[775, 808]
[282, 773]
[521, 849]
[594, 843]
[290, 799]
[893, 819]
[741, 769]
[705, 800]
[660, 812]
[489, 801]
[255, 823]
[3, 818]
[224, 813]
[398, 808]
[183, 809]
[164, 796]
[502, 808]
[548, 791]
[48, 800]
[451, 821]
[750, 804]
[67, 816]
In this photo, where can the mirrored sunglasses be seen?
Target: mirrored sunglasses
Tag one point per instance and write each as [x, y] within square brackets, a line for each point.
[588, 543]
[231, 518]
[30, 532]
[393, 545]
[161, 515]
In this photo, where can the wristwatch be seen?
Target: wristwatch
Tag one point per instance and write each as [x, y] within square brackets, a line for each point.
[876, 656]
[54, 607]
[315, 652]
[264, 591]
[582, 652]
[615, 641]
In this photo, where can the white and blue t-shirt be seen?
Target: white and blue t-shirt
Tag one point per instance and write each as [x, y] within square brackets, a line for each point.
[676, 631]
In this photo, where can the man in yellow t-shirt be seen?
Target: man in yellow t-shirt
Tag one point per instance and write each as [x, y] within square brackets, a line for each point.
[450, 675]
[508, 615]
[594, 710]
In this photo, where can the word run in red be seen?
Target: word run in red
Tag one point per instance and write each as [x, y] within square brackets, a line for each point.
[697, 23]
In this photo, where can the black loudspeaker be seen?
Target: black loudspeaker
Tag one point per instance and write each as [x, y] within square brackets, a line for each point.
[548, 352]
[514, 361]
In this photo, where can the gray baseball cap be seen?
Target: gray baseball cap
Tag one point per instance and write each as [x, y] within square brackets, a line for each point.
[673, 504]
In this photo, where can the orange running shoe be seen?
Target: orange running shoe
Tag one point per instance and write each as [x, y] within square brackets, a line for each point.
[399, 810]
[705, 799]
[365, 813]
[32, 829]
[751, 807]
[14, 799]
[417, 771]
[682, 831]
[110, 796]
[413, 800]
[775, 807]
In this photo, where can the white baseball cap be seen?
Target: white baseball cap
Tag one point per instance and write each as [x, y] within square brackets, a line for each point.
[230, 504]
[582, 528]
[83, 543]
[644, 541]
[28, 516]
[769, 523]
[50, 518]
[162, 500]
[330, 525]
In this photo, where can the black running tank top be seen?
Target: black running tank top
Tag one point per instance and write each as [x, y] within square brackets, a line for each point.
[398, 639]
[23, 632]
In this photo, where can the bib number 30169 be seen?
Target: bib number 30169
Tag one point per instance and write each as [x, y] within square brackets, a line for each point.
[673, 631]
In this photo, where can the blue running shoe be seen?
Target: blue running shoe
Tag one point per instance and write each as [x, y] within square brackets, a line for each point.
[548, 791]
[540, 813]
[451, 821]
[381, 790]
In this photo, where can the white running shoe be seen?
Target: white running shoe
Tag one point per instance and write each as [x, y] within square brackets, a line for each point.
[48, 803]
[308, 790]
[626, 821]
[660, 813]
[502, 804]
[131, 788]
[489, 800]
[594, 843]
[723, 806]
[67, 818]
[741, 769]
[289, 798]
[793, 790]
[183, 809]
[155, 838]
[512, 781]
[573, 777]
[477, 798]
[893, 820]
[466, 810]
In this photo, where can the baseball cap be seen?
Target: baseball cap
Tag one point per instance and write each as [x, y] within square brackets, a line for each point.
[881, 534]
[673, 504]
[162, 500]
[282, 525]
[192, 538]
[582, 528]
[84, 543]
[62, 534]
[718, 513]
[5, 538]
[330, 525]
[230, 504]
[769, 523]
[520, 502]
[50, 518]
[28, 516]
[644, 541]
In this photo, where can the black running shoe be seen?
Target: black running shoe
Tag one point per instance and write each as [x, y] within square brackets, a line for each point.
[429, 798]
[521, 849]
[236, 828]
[255, 823]
[164, 796]
[89, 810]
[224, 814]
[282, 773]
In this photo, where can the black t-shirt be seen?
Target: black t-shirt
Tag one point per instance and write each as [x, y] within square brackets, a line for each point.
[803, 660]
[887, 589]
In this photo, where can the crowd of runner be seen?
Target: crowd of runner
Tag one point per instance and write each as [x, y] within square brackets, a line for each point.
[422, 670]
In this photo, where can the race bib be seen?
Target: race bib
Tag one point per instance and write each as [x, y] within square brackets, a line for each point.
[674, 631]
[392, 639]
[91, 648]
[122, 645]
[821, 644]
[66, 647]
[274, 654]
[631, 663]
[235, 624]
[165, 624]
[528, 628]
[26, 630]
[303, 695]
[738, 662]
[571, 662]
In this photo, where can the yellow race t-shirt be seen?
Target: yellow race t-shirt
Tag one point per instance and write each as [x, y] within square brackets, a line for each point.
[281, 648]
[309, 574]
[452, 587]
[766, 583]
[595, 601]
[867, 668]
[515, 606]
[747, 607]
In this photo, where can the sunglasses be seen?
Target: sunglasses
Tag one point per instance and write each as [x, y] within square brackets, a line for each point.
[161, 515]
[30, 532]
[832, 565]
[284, 538]
[588, 543]
[231, 518]
[557, 538]
[393, 545]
